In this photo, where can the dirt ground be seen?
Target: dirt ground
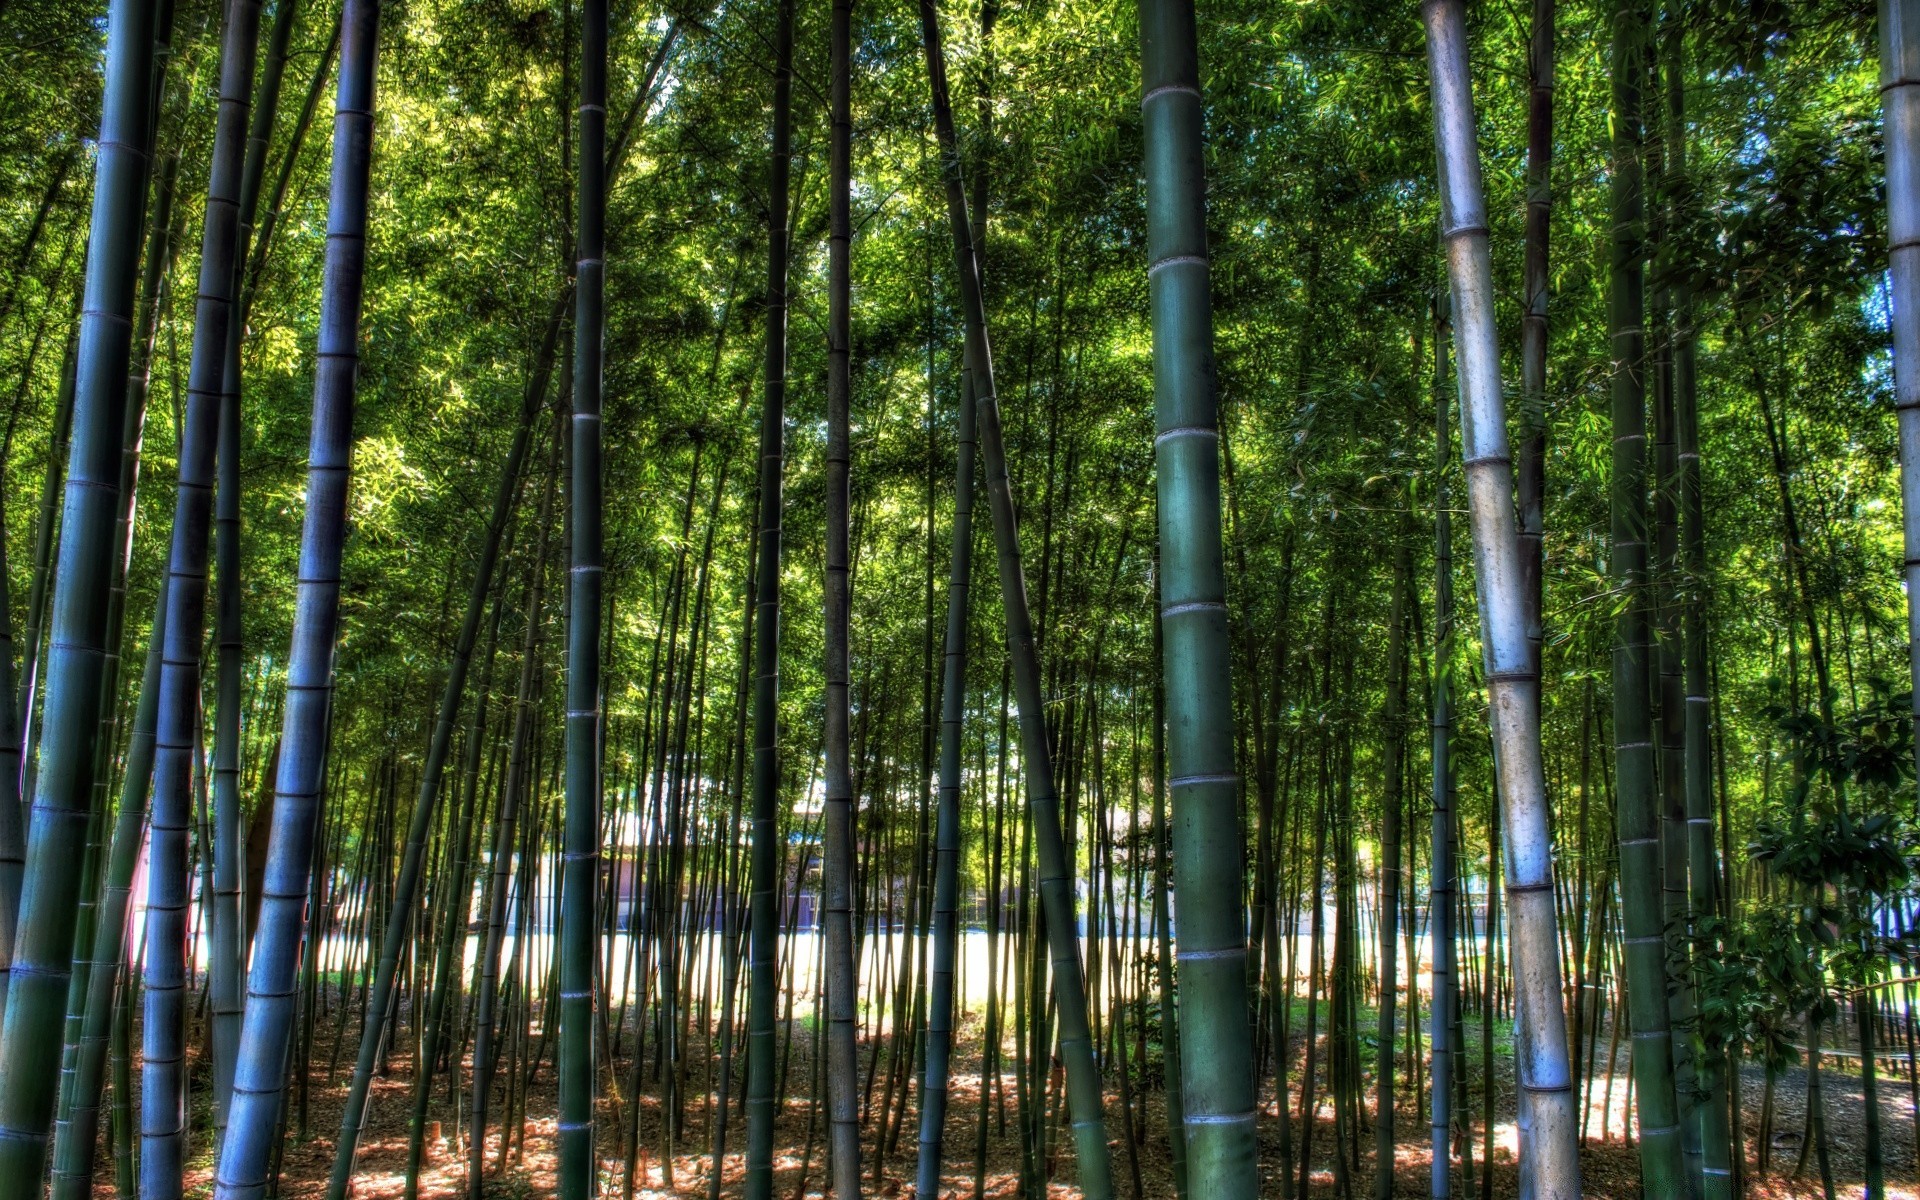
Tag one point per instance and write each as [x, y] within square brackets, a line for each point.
[1609, 1165]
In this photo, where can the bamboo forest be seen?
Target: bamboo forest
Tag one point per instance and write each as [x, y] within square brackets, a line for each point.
[959, 599]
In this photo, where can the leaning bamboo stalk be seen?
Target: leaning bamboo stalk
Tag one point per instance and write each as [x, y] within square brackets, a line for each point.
[400, 916]
[504, 843]
[1055, 871]
[947, 839]
[1550, 1151]
[245, 1158]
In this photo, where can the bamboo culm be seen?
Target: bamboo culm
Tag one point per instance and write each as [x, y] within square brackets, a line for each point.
[1550, 1149]
[163, 1106]
[762, 928]
[842, 1067]
[586, 577]
[244, 1169]
[1217, 1085]
[30, 1040]
[1055, 871]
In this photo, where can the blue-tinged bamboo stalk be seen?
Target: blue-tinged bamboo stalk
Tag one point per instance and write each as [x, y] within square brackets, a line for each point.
[1549, 1150]
[30, 1041]
[89, 1003]
[1217, 1085]
[259, 1086]
[227, 958]
[1055, 873]
[76, 1137]
[1900, 96]
[163, 1106]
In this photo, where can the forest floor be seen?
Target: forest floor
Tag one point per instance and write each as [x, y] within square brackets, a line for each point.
[1609, 1165]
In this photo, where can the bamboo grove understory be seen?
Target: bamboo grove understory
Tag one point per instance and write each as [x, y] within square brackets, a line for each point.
[1443, 723]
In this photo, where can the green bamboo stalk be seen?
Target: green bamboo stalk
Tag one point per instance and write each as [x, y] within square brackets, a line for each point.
[77, 1137]
[763, 932]
[1703, 868]
[1055, 873]
[580, 872]
[1441, 880]
[1637, 811]
[1217, 1087]
[842, 1066]
[30, 1042]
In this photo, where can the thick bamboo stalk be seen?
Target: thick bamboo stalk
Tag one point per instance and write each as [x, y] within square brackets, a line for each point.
[1900, 95]
[77, 1137]
[1217, 1087]
[245, 1158]
[1637, 812]
[227, 961]
[1550, 1152]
